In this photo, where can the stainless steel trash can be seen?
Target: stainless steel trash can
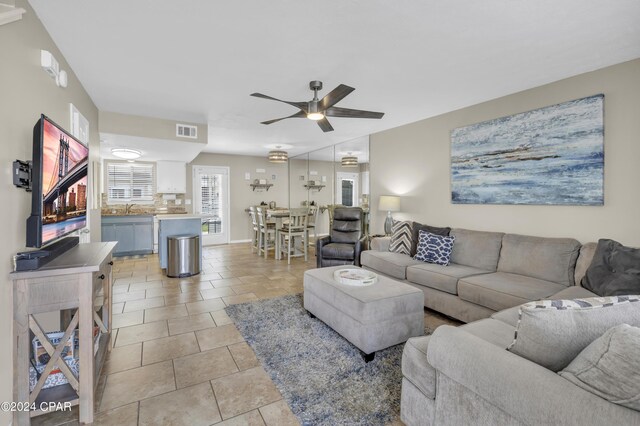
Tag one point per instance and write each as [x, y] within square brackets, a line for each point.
[183, 255]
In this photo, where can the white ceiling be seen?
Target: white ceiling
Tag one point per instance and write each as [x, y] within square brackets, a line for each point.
[198, 60]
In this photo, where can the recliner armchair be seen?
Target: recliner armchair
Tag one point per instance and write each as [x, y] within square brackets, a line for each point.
[345, 242]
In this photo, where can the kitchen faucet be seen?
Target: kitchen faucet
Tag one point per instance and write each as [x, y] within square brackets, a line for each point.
[127, 208]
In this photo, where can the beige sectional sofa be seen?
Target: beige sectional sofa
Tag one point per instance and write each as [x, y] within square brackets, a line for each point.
[463, 375]
[489, 271]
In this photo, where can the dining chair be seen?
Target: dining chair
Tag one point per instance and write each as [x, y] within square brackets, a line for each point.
[311, 224]
[267, 233]
[296, 228]
[256, 239]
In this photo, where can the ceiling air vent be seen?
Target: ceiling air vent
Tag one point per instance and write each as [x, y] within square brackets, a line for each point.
[186, 131]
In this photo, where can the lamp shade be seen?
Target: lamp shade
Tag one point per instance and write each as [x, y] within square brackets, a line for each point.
[278, 156]
[389, 203]
[349, 161]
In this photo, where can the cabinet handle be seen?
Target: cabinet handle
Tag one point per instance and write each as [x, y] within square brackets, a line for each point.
[111, 263]
[101, 277]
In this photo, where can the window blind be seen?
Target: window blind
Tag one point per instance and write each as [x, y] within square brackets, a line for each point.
[127, 182]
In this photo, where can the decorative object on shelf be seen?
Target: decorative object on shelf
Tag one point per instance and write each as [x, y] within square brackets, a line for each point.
[355, 277]
[126, 153]
[278, 156]
[389, 203]
[349, 160]
[314, 185]
[261, 185]
[549, 156]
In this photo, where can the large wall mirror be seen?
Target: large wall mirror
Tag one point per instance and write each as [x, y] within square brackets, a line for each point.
[331, 176]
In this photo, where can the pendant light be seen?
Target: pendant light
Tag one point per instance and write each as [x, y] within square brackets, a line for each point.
[349, 160]
[278, 156]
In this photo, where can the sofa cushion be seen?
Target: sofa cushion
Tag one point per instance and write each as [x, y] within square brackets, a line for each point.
[491, 330]
[416, 368]
[500, 290]
[615, 270]
[401, 234]
[610, 367]
[511, 315]
[434, 248]
[476, 248]
[387, 263]
[443, 278]
[549, 259]
[338, 251]
[417, 227]
[584, 260]
[552, 333]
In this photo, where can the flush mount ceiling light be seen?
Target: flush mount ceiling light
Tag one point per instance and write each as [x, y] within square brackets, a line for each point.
[278, 156]
[126, 153]
[349, 161]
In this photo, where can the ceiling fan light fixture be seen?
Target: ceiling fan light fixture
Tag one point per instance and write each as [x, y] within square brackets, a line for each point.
[278, 156]
[315, 116]
[349, 161]
[126, 153]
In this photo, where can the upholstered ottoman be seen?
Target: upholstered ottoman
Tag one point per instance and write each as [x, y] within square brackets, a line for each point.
[372, 317]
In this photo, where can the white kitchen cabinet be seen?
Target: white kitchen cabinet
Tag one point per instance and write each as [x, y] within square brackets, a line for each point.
[171, 177]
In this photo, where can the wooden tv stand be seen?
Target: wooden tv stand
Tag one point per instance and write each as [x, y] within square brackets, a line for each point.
[78, 283]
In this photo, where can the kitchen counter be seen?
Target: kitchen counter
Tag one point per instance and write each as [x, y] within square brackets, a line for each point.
[181, 216]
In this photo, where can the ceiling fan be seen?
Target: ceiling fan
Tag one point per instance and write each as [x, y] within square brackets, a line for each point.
[319, 109]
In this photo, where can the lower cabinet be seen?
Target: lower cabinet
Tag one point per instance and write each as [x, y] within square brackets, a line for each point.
[134, 233]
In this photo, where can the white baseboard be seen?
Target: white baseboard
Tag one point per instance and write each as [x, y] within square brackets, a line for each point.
[240, 241]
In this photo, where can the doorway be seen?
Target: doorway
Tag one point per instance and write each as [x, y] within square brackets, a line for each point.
[211, 200]
[347, 189]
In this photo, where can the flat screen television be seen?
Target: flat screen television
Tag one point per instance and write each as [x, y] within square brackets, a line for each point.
[59, 184]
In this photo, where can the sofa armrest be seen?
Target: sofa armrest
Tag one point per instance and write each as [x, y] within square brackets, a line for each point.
[524, 390]
[380, 243]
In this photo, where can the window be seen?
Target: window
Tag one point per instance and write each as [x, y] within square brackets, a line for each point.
[129, 182]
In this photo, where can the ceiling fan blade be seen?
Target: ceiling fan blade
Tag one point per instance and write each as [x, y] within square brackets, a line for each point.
[297, 114]
[300, 105]
[335, 96]
[351, 113]
[325, 125]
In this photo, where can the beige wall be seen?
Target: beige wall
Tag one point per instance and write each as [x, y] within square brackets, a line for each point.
[242, 195]
[147, 127]
[27, 91]
[413, 161]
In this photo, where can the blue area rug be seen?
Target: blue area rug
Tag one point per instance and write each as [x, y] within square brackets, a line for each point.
[321, 375]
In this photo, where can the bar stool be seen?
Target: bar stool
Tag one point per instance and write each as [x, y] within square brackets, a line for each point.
[297, 227]
[267, 233]
[311, 225]
[255, 230]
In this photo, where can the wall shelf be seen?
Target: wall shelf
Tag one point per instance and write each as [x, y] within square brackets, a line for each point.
[261, 186]
[315, 187]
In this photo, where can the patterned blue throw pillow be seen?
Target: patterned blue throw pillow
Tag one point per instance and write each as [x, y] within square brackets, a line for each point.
[434, 248]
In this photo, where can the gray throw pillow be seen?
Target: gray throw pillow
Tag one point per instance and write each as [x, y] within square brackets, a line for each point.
[415, 237]
[400, 237]
[610, 367]
[614, 270]
[552, 333]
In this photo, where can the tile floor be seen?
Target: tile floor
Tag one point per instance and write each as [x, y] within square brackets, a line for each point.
[177, 357]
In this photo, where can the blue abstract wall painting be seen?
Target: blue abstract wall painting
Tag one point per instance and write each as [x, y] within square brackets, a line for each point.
[550, 156]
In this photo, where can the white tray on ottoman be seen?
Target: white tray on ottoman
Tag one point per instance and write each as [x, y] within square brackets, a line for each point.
[372, 317]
